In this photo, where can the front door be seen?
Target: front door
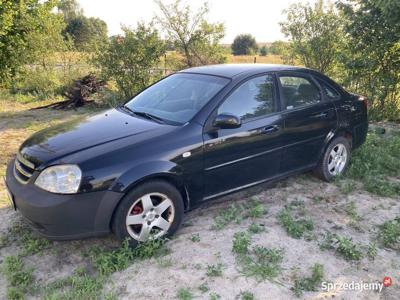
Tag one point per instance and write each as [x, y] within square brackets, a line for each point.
[251, 153]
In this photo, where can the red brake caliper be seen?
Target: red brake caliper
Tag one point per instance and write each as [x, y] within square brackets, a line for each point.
[137, 209]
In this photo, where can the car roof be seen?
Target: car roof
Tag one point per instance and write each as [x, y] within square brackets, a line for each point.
[232, 70]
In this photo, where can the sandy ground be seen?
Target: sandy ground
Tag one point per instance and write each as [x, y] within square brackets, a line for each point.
[188, 260]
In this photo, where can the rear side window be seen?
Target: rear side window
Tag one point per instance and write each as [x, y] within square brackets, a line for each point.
[329, 91]
[299, 91]
[252, 99]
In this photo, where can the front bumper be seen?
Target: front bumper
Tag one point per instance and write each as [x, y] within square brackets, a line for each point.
[62, 217]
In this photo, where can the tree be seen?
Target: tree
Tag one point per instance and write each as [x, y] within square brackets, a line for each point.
[263, 51]
[130, 59]
[27, 28]
[195, 38]
[315, 33]
[244, 44]
[371, 57]
[278, 47]
[88, 34]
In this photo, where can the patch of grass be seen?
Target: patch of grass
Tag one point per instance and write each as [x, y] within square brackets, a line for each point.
[376, 161]
[241, 243]
[164, 262]
[33, 244]
[78, 286]
[233, 214]
[204, 288]
[214, 270]
[295, 227]
[309, 283]
[342, 245]
[195, 238]
[255, 228]
[261, 263]
[214, 296]
[108, 262]
[389, 233]
[372, 251]
[184, 294]
[246, 295]
[236, 213]
[19, 278]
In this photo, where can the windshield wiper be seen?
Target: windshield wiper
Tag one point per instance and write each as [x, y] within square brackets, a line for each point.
[149, 116]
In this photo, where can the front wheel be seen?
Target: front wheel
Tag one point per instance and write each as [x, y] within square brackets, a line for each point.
[335, 159]
[152, 210]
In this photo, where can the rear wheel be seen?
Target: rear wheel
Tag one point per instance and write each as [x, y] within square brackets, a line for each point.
[150, 211]
[335, 159]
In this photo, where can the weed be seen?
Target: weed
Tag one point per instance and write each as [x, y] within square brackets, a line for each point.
[255, 228]
[214, 270]
[389, 233]
[374, 162]
[204, 288]
[108, 262]
[342, 245]
[226, 216]
[184, 294]
[195, 238]
[19, 278]
[214, 296]
[33, 244]
[351, 211]
[164, 262]
[255, 209]
[246, 296]
[241, 242]
[294, 228]
[261, 263]
[309, 283]
[372, 251]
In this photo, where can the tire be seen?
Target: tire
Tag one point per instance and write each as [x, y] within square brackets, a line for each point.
[151, 210]
[325, 169]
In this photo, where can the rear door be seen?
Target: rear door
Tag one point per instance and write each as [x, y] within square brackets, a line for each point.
[308, 118]
[251, 153]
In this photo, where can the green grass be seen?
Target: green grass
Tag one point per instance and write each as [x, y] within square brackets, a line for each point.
[295, 227]
[184, 294]
[342, 245]
[214, 296]
[389, 233]
[19, 278]
[107, 262]
[261, 263]
[241, 243]
[255, 228]
[195, 238]
[236, 213]
[372, 251]
[204, 288]
[376, 161]
[246, 295]
[214, 270]
[309, 283]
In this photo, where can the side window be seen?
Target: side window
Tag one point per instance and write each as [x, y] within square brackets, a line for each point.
[254, 98]
[329, 91]
[299, 91]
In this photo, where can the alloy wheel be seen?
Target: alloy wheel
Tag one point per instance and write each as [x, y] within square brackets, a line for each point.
[337, 159]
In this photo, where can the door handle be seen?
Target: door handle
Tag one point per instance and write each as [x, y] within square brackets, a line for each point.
[271, 129]
[321, 115]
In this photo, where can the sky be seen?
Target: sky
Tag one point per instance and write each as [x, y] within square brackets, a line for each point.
[258, 17]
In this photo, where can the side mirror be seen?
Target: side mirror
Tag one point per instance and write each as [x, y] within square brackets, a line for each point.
[227, 121]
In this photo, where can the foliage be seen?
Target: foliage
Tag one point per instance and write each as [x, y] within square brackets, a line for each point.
[19, 278]
[246, 295]
[184, 294]
[372, 56]
[309, 283]
[29, 31]
[343, 246]
[375, 163]
[130, 59]
[244, 44]
[192, 36]
[241, 243]
[256, 228]
[263, 51]
[214, 270]
[315, 34]
[295, 225]
[389, 233]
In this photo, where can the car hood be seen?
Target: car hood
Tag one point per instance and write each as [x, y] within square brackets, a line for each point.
[83, 133]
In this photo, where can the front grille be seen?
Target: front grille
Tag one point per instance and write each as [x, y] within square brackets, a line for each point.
[23, 169]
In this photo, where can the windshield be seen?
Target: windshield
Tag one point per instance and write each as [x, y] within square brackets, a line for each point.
[178, 97]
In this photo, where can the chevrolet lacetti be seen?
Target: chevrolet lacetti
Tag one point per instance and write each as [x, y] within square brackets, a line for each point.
[193, 136]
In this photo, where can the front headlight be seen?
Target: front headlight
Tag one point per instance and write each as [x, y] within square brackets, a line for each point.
[61, 179]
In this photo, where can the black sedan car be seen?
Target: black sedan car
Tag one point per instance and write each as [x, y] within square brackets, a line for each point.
[192, 136]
